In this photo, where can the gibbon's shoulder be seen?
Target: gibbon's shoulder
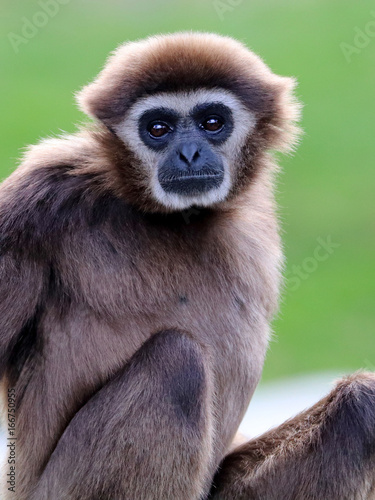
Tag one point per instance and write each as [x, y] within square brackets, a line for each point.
[61, 184]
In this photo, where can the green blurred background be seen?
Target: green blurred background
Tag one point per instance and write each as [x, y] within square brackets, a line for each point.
[326, 191]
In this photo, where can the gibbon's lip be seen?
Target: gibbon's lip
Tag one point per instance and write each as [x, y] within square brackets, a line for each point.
[202, 177]
[192, 183]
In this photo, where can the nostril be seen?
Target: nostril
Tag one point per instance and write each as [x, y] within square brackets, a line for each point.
[183, 158]
[196, 156]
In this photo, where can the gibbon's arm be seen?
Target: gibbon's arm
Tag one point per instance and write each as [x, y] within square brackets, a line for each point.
[22, 274]
[34, 212]
[21, 282]
[325, 453]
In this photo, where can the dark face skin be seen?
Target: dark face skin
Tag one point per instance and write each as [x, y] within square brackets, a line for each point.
[190, 163]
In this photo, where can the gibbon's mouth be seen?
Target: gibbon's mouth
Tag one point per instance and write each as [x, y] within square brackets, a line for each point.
[191, 184]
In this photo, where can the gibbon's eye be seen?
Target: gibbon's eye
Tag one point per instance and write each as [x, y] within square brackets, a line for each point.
[158, 129]
[212, 124]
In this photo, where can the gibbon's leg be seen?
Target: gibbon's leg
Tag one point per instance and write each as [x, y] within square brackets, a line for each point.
[146, 435]
[325, 453]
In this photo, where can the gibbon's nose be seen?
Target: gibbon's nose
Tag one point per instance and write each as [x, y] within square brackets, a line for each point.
[188, 153]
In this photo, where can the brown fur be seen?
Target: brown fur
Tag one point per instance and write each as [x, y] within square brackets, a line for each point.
[189, 61]
[135, 337]
[139, 275]
[326, 452]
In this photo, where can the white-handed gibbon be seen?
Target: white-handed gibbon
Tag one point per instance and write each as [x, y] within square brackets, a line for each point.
[139, 272]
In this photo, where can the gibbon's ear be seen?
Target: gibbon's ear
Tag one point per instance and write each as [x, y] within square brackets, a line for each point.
[325, 453]
[284, 128]
[191, 61]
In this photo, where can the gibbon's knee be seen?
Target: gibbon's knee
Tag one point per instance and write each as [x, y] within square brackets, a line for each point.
[326, 452]
[178, 362]
[146, 434]
[352, 421]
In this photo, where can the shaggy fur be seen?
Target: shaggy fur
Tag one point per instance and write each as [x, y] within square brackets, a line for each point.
[134, 336]
[325, 453]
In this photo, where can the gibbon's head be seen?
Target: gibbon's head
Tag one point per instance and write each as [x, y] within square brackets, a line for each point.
[196, 111]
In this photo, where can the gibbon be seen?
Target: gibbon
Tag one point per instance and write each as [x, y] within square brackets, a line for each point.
[140, 266]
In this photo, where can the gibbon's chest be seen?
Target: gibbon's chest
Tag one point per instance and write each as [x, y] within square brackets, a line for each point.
[153, 270]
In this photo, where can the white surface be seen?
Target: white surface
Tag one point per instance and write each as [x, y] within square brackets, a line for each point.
[275, 402]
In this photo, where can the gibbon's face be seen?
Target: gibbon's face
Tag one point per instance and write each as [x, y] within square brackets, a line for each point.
[188, 142]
